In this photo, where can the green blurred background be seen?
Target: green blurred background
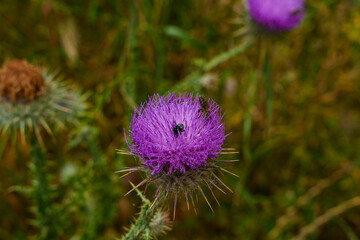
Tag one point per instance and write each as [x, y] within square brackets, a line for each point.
[292, 105]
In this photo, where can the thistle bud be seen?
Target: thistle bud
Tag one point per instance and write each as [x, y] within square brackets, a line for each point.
[32, 99]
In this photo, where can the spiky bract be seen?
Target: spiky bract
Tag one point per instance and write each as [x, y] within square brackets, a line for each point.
[56, 105]
[160, 223]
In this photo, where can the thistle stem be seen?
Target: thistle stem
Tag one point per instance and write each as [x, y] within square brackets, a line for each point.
[193, 78]
[141, 229]
[100, 206]
[46, 219]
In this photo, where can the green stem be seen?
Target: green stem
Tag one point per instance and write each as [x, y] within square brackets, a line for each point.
[248, 118]
[193, 78]
[266, 68]
[101, 197]
[41, 193]
[141, 229]
[223, 57]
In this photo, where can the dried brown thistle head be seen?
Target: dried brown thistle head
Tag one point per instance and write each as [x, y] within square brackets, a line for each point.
[20, 81]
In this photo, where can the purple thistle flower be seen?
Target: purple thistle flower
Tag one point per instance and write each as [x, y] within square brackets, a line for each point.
[177, 139]
[277, 15]
[160, 148]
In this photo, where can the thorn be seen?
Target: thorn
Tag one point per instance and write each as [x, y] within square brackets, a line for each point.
[120, 151]
[128, 169]
[143, 198]
[220, 160]
[202, 193]
[157, 197]
[141, 183]
[227, 171]
[187, 200]
[156, 193]
[212, 193]
[168, 190]
[125, 174]
[217, 178]
[192, 200]
[175, 201]
[146, 186]
[217, 187]
[222, 174]
[229, 153]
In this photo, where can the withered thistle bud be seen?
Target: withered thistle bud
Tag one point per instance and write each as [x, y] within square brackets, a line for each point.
[32, 99]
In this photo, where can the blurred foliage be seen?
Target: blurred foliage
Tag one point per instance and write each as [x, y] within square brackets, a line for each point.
[292, 105]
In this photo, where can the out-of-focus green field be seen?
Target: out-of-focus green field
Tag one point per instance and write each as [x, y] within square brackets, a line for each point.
[292, 105]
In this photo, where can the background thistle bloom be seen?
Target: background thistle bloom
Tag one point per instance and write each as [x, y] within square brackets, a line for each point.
[277, 15]
[178, 161]
[32, 98]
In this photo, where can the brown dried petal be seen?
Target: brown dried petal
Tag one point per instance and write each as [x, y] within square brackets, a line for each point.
[20, 80]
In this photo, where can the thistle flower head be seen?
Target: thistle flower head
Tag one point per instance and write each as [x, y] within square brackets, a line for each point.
[277, 15]
[32, 99]
[177, 139]
[170, 134]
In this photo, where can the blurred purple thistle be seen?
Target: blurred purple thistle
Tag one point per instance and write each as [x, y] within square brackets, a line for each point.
[177, 144]
[277, 15]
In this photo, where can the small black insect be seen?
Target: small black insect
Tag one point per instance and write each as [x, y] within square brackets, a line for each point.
[178, 129]
[204, 107]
